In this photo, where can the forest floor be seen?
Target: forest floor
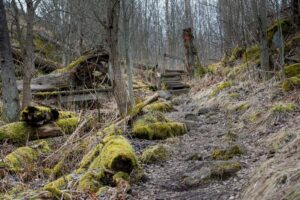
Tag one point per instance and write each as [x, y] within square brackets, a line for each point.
[215, 123]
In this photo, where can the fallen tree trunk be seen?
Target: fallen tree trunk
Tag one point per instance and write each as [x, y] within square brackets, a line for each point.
[86, 71]
[38, 123]
[108, 162]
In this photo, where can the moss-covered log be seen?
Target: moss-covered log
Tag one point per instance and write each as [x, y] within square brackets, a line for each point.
[86, 71]
[21, 132]
[108, 162]
[159, 106]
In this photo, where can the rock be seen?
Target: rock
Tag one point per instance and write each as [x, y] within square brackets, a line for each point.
[191, 116]
[155, 154]
[165, 94]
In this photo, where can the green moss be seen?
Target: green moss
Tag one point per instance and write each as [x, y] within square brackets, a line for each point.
[234, 95]
[155, 154]
[254, 117]
[252, 53]
[213, 68]
[117, 154]
[25, 157]
[200, 71]
[109, 131]
[159, 130]
[68, 125]
[150, 117]
[58, 194]
[291, 83]
[17, 132]
[242, 107]
[230, 152]
[120, 176]
[220, 87]
[292, 70]
[72, 65]
[137, 109]
[58, 184]
[90, 156]
[20, 158]
[284, 108]
[237, 53]
[91, 181]
[221, 170]
[159, 106]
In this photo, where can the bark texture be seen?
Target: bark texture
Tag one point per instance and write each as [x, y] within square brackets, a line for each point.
[9, 88]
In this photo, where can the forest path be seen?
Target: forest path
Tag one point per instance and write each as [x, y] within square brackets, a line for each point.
[185, 174]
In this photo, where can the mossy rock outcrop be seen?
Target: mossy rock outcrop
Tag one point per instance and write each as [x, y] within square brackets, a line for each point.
[23, 158]
[155, 154]
[292, 70]
[228, 153]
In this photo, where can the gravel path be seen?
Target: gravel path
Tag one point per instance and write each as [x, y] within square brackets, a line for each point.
[178, 178]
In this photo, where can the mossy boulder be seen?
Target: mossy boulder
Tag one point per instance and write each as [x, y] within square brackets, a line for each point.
[228, 153]
[292, 70]
[159, 106]
[220, 87]
[291, 83]
[155, 154]
[154, 125]
[23, 158]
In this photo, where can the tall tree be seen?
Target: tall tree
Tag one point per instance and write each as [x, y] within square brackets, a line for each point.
[117, 78]
[9, 91]
[259, 9]
[29, 51]
[127, 9]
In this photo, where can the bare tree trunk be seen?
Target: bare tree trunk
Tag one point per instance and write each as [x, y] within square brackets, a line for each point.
[29, 55]
[190, 51]
[126, 21]
[9, 90]
[259, 10]
[117, 76]
[264, 55]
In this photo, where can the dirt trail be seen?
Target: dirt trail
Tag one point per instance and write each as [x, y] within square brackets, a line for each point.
[180, 177]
